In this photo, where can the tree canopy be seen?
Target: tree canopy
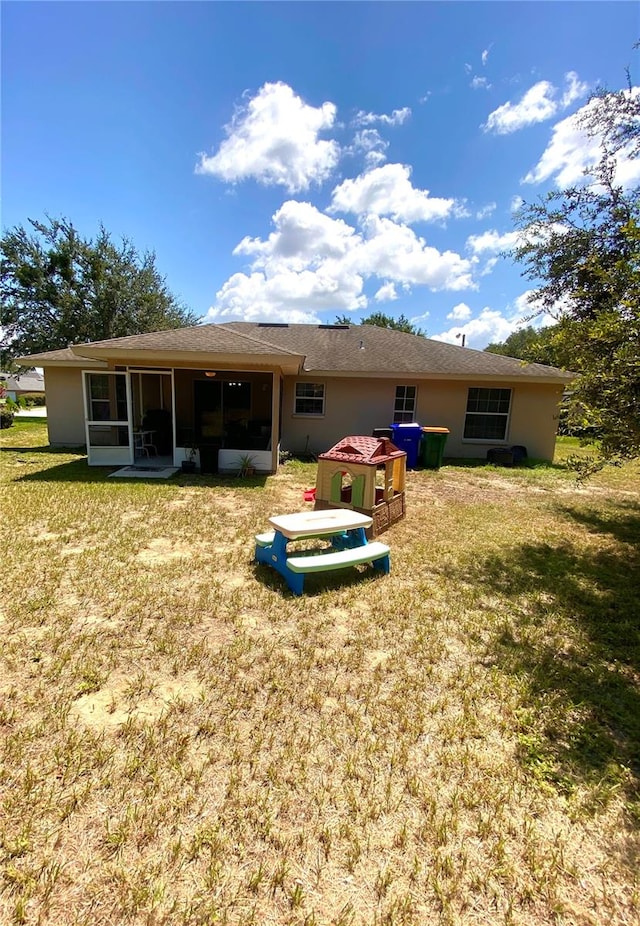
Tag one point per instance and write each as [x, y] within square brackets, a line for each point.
[59, 288]
[380, 320]
[581, 247]
[533, 345]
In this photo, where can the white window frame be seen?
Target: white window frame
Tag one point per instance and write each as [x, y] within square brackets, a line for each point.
[400, 413]
[506, 415]
[321, 399]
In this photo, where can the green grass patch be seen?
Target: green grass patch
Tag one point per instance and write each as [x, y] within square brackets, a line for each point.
[185, 742]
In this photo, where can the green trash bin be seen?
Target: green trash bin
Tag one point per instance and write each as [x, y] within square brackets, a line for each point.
[432, 447]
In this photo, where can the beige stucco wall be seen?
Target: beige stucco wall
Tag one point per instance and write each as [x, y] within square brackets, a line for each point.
[65, 407]
[357, 406]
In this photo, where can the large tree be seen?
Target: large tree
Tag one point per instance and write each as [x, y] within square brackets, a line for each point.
[533, 345]
[380, 320]
[581, 247]
[59, 288]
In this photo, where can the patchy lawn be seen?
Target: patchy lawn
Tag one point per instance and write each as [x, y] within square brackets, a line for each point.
[184, 742]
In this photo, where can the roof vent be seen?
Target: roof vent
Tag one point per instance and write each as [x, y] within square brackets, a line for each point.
[335, 327]
[273, 325]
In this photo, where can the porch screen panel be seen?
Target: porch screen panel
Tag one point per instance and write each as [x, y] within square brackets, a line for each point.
[108, 425]
[107, 397]
[108, 435]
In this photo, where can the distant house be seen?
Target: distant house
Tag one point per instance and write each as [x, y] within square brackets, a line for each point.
[261, 388]
[22, 383]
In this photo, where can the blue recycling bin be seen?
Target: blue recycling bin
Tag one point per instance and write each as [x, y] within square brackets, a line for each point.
[407, 437]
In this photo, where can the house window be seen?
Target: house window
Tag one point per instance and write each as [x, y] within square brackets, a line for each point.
[487, 414]
[404, 408]
[309, 399]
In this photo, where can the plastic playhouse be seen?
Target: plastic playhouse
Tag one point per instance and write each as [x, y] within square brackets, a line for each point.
[366, 474]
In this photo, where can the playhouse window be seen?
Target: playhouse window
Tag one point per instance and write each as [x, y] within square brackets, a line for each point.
[487, 414]
[309, 399]
[404, 408]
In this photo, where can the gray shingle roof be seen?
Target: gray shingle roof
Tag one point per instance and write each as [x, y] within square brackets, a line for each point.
[368, 349]
[355, 349]
[23, 382]
[64, 356]
[218, 339]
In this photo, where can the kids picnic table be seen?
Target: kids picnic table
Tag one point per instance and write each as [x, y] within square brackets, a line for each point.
[343, 527]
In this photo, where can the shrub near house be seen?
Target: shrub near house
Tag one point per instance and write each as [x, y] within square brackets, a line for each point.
[6, 412]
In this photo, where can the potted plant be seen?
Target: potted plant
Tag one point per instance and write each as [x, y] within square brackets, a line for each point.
[246, 465]
[189, 463]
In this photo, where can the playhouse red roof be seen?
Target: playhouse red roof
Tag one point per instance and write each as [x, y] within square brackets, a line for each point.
[368, 450]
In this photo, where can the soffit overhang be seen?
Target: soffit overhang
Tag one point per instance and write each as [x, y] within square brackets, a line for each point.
[287, 364]
[561, 379]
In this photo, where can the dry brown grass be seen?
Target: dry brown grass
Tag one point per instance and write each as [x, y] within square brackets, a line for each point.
[185, 742]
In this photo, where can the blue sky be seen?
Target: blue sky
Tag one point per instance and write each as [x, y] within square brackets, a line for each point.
[299, 161]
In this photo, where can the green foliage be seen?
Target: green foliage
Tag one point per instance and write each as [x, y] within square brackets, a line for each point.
[34, 399]
[6, 411]
[534, 345]
[16, 404]
[582, 246]
[6, 416]
[246, 465]
[58, 288]
[380, 320]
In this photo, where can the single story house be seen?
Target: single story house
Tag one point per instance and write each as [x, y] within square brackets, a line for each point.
[258, 388]
[19, 384]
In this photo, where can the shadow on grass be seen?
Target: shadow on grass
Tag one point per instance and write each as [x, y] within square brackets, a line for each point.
[44, 449]
[572, 640]
[79, 471]
[316, 584]
[75, 470]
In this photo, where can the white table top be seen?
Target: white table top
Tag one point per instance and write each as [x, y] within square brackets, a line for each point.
[327, 521]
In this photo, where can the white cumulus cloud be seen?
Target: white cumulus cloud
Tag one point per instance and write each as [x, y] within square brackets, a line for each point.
[312, 262]
[397, 117]
[492, 241]
[303, 238]
[480, 83]
[460, 312]
[275, 139]
[574, 90]
[386, 293]
[388, 191]
[488, 267]
[572, 153]
[286, 296]
[492, 325]
[370, 143]
[540, 102]
[486, 211]
[418, 320]
[393, 251]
